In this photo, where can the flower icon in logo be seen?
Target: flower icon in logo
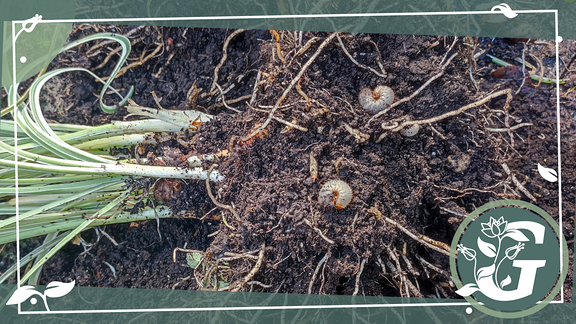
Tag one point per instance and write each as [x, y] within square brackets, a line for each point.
[469, 254]
[494, 228]
[513, 251]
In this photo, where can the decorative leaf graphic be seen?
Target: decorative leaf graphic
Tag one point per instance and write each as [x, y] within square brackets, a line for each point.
[467, 290]
[506, 282]
[505, 9]
[486, 271]
[22, 294]
[57, 289]
[516, 235]
[488, 249]
[547, 173]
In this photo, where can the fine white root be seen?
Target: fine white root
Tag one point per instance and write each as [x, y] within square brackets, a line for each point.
[254, 270]
[316, 272]
[224, 56]
[517, 183]
[415, 93]
[289, 88]
[319, 232]
[357, 285]
[356, 62]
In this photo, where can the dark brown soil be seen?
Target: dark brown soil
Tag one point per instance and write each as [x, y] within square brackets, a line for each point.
[427, 183]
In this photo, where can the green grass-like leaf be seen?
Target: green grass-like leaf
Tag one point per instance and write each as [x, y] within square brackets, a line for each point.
[60, 176]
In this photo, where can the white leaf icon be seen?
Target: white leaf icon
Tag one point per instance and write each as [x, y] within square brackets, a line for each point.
[467, 290]
[486, 271]
[488, 249]
[506, 282]
[57, 289]
[21, 295]
[547, 173]
[505, 9]
[516, 235]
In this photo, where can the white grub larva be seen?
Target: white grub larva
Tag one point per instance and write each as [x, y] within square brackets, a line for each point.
[411, 130]
[376, 100]
[335, 193]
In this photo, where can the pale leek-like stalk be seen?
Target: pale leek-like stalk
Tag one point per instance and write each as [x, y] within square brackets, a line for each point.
[66, 182]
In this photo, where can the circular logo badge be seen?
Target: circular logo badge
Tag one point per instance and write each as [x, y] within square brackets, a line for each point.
[512, 259]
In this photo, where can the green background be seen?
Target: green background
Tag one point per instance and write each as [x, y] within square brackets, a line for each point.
[85, 298]
[539, 25]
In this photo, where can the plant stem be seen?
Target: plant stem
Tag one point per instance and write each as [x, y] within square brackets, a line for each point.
[534, 77]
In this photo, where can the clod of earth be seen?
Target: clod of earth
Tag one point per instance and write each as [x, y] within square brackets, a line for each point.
[335, 193]
[376, 100]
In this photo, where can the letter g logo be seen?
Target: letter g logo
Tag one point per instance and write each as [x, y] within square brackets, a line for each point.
[508, 259]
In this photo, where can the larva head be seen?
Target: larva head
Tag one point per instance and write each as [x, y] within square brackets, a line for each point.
[384, 93]
[336, 193]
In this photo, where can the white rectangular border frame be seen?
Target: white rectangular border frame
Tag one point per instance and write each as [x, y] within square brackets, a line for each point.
[557, 40]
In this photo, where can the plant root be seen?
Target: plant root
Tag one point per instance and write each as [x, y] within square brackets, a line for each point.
[395, 127]
[278, 48]
[289, 88]
[357, 284]
[224, 57]
[358, 135]
[141, 61]
[254, 270]
[223, 100]
[326, 256]
[517, 183]
[317, 230]
[287, 123]
[382, 75]
[422, 239]
[230, 208]
[515, 127]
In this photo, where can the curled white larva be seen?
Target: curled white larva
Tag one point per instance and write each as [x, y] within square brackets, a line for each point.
[410, 131]
[335, 193]
[376, 100]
